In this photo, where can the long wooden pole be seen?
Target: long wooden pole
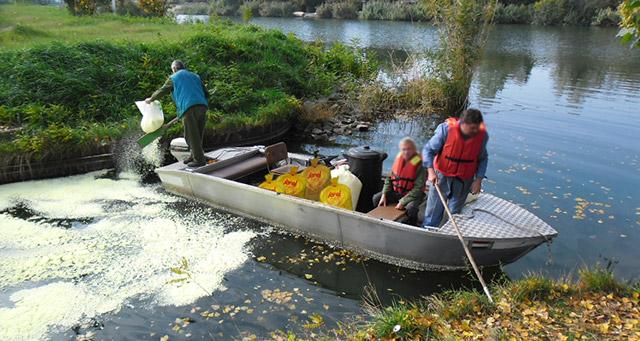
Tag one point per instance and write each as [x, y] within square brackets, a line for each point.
[464, 244]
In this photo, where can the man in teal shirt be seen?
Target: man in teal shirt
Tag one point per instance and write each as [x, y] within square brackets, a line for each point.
[192, 100]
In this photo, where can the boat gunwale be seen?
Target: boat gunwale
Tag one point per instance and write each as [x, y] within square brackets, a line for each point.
[363, 216]
[285, 229]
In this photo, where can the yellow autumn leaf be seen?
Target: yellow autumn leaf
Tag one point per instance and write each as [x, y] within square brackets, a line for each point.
[504, 306]
[465, 325]
[308, 276]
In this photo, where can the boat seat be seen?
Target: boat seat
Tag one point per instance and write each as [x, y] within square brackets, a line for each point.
[241, 169]
[278, 157]
[388, 213]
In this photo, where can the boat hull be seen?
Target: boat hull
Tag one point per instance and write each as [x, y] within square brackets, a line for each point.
[388, 241]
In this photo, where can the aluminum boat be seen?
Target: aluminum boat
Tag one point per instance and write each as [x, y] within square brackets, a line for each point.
[496, 231]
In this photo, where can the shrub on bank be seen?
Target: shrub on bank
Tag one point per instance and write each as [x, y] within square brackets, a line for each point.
[266, 8]
[276, 9]
[606, 17]
[153, 8]
[71, 99]
[558, 12]
[513, 14]
[338, 9]
[549, 12]
[252, 7]
[81, 7]
[583, 12]
[345, 10]
[393, 10]
[128, 7]
[325, 11]
[225, 7]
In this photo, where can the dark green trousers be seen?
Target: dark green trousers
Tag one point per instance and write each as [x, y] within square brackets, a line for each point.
[194, 120]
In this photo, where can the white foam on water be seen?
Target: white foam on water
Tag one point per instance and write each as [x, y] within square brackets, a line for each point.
[62, 309]
[78, 196]
[125, 253]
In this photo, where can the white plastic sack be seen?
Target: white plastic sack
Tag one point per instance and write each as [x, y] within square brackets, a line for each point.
[152, 116]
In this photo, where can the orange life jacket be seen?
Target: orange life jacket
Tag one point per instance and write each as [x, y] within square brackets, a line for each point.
[404, 173]
[459, 157]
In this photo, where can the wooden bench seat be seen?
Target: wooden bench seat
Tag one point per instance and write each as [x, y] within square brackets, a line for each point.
[388, 213]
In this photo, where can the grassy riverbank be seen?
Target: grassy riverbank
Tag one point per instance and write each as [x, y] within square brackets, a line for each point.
[595, 307]
[25, 25]
[71, 88]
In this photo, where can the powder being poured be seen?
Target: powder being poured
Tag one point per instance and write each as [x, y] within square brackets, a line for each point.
[153, 154]
[126, 252]
[129, 157]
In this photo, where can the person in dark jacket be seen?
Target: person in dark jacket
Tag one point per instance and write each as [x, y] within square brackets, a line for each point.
[192, 101]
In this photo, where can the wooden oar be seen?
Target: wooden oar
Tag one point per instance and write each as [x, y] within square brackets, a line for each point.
[152, 136]
[464, 244]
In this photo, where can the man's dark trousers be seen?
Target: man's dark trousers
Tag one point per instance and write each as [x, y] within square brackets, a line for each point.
[194, 121]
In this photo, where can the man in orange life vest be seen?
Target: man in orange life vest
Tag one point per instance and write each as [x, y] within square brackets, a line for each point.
[456, 161]
[404, 186]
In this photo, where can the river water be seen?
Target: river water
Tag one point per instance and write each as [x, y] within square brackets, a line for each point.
[562, 107]
[93, 253]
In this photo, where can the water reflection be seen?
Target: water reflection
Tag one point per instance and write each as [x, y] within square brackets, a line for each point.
[348, 274]
[577, 62]
[374, 34]
[498, 67]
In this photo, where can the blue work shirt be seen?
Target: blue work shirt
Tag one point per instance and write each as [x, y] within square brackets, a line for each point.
[436, 143]
[187, 91]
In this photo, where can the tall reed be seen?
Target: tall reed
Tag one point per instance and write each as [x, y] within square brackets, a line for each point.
[463, 28]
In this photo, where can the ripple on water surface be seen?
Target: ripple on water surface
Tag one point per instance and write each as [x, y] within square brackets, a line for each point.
[53, 277]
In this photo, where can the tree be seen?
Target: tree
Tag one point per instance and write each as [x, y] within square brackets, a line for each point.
[81, 7]
[630, 24]
[154, 8]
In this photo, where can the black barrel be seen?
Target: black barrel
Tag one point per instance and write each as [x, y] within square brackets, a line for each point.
[366, 164]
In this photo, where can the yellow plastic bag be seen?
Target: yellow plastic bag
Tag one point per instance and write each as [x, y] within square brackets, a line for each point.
[292, 183]
[336, 194]
[316, 178]
[271, 185]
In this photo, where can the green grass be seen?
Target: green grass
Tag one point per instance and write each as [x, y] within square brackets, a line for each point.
[72, 89]
[533, 287]
[25, 25]
[595, 305]
[599, 280]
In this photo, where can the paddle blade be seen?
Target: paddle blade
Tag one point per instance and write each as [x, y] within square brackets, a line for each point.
[148, 138]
